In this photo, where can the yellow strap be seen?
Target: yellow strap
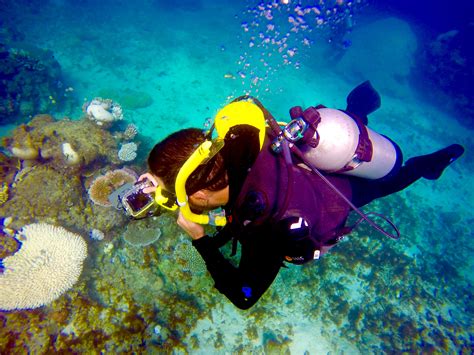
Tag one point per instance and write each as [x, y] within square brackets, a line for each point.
[199, 155]
[244, 112]
[239, 113]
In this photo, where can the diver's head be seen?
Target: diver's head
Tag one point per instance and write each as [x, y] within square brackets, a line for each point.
[168, 156]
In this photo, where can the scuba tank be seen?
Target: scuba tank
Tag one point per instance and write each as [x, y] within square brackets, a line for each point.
[337, 141]
[340, 135]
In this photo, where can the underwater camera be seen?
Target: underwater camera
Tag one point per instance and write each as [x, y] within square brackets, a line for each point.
[136, 203]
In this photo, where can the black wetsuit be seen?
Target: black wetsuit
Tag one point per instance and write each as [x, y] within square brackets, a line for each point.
[260, 258]
[261, 254]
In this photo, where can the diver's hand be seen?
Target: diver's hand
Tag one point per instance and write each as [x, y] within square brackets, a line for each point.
[194, 230]
[150, 189]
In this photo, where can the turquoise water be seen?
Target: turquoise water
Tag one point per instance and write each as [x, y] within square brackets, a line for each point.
[172, 66]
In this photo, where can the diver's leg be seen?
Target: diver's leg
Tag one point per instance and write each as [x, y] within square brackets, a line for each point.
[429, 166]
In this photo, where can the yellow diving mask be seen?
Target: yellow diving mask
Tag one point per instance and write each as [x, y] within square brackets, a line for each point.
[242, 112]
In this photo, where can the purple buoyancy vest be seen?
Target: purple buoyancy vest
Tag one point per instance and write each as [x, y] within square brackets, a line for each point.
[275, 192]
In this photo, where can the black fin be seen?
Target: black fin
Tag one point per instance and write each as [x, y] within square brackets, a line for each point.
[363, 100]
[431, 166]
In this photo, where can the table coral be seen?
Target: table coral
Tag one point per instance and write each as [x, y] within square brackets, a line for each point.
[142, 232]
[47, 264]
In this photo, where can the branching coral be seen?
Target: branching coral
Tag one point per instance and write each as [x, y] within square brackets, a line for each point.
[130, 132]
[128, 151]
[103, 112]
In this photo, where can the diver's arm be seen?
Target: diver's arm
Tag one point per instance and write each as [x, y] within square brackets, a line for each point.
[245, 285]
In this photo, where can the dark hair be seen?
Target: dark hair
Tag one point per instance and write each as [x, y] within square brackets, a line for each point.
[169, 155]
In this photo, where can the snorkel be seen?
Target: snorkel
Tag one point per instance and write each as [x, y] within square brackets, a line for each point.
[243, 112]
[201, 155]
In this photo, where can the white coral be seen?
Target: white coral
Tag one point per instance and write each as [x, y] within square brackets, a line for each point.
[117, 111]
[128, 152]
[48, 263]
[103, 111]
[130, 132]
[25, 153]
[70, 155]
[96, 234]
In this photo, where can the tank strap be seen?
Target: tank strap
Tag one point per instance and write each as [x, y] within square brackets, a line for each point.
[364, 150]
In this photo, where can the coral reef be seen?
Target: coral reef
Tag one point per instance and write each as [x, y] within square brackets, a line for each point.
[128, 151]
[150, 290]
[107, 220]
[8, 245]
[32, 82]
[8, 168]
[370, 295]
[368, 288]
[65, 145]
[55, 162]
[188, 257]
[130, 132]
[47, 264]
[43, 193]
[448, 63]
[3, 192]
[104, 185]
[103, 112]
[96, 234]
[142, 232]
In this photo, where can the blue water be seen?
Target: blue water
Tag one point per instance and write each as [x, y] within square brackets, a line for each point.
[172, 66]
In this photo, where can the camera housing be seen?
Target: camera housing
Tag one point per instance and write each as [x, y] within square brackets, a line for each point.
[136, 203]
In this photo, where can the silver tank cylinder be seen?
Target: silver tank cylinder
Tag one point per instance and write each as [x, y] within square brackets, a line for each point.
[338, 139]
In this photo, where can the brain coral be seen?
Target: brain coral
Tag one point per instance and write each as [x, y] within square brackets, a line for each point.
[48, 263]
[104, 185]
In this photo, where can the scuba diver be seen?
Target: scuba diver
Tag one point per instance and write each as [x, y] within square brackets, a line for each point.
[286, 192]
